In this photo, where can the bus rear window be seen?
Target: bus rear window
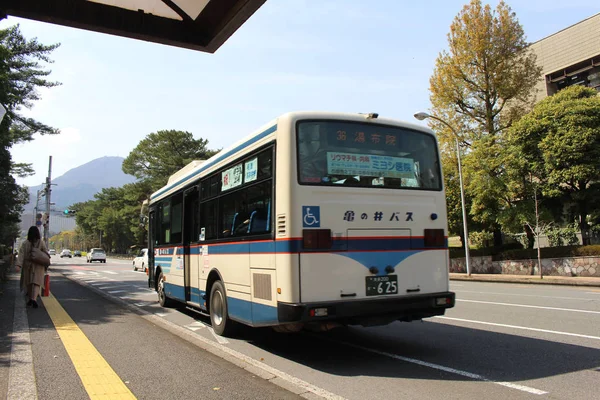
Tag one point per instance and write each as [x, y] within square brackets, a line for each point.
[334, 153]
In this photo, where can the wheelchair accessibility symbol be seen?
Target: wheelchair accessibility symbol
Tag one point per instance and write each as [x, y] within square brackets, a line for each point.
[311, 216]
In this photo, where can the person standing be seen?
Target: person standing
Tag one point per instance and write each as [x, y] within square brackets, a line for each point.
[32, 274]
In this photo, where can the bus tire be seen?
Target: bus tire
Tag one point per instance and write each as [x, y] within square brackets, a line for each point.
[219, 317]
[163, 300]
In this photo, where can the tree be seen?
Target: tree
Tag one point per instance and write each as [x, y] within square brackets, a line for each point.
[163, 153]
[114, 216]
[559, 143]
[21, 74]
[481, 85]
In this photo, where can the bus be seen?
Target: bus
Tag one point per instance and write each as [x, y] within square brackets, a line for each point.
[314, 220]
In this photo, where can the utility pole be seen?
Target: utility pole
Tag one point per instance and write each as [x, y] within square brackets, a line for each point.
[48, 191]
[35, 210]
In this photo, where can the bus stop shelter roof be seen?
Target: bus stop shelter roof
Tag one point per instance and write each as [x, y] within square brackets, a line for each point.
[202, 25]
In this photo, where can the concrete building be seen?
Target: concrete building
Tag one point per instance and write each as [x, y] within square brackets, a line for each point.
[569, 57]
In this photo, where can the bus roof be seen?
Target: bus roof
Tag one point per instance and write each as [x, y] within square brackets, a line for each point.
[265, 133]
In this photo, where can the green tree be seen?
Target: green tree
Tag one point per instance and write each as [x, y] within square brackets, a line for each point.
[481, 85]
[163, 153]
[559, 144]
[21, 75]
[114, 216]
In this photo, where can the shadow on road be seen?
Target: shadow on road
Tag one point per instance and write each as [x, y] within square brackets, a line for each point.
[496, 356]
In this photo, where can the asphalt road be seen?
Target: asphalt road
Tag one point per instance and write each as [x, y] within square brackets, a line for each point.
[151, 361]
[500, 341]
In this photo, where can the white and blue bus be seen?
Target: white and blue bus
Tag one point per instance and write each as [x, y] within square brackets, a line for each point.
[316, 218]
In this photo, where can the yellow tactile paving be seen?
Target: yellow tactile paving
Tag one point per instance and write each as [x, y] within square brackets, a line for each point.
[98, 378]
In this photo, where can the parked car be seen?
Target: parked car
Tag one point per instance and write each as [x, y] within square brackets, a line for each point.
[66, 253]
[77, 253]
[141, 261]
[52, 252]
[96, 255]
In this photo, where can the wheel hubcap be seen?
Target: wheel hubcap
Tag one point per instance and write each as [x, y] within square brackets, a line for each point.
[217, 308]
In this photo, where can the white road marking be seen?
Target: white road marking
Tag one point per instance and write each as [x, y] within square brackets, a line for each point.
[593, 293]
[140, 304]
[219, 339]
[110, 272]
[107, 287]
[528, 306]
[528, 295]
[447, 369]
[117, 291]
[520, 327]
[161, 314]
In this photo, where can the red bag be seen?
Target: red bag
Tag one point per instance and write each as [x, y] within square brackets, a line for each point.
[46, 290]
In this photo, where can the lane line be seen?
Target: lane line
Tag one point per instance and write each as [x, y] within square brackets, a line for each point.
[21, 377]
[530, 295]
[98, 378]
[117, 291]
[445, 369]
[528, 306]
[110, 272]
[520, 327]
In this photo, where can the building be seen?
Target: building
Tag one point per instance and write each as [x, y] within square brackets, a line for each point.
[569, 57]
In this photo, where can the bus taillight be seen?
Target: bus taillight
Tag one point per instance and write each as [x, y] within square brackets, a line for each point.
[434, 238]
[314, 239]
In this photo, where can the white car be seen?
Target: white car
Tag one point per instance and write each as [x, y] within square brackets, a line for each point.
[66, 253]
[52, 252]
[96, 254]
[141, 261]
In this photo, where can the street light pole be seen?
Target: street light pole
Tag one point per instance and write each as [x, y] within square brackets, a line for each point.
[421, 116]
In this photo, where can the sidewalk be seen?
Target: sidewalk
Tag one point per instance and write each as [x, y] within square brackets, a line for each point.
[531, 279]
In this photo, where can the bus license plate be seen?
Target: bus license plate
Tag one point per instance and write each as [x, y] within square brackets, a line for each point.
[382, 285]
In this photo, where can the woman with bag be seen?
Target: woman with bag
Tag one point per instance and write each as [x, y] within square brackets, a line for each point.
[34, 260]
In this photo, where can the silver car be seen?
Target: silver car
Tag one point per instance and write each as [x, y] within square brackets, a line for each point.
[96, 254]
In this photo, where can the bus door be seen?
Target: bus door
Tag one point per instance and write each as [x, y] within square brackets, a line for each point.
[190, 235]
[151, 233]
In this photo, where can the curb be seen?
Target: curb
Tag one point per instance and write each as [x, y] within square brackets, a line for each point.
[257, 368]
[531, 281]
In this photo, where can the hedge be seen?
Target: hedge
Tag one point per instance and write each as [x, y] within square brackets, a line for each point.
[504, 253]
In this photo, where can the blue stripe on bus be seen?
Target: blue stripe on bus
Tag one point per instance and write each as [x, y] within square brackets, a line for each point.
[380, 259]
[242, 310]
[295, 246]
[220, 158]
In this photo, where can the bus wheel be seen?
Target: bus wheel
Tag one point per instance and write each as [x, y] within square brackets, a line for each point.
[163, 300]
[219, 318]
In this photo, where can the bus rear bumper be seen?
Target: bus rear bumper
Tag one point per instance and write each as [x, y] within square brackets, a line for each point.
[367, 312]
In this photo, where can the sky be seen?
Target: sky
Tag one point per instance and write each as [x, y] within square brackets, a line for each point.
[291, 55]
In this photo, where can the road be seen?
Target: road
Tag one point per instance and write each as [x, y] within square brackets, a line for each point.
[500, 341]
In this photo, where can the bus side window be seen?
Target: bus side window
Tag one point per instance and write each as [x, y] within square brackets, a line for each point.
[260, 220]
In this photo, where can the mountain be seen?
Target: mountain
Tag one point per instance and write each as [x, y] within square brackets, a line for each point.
[81, 183]
[77, 185]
